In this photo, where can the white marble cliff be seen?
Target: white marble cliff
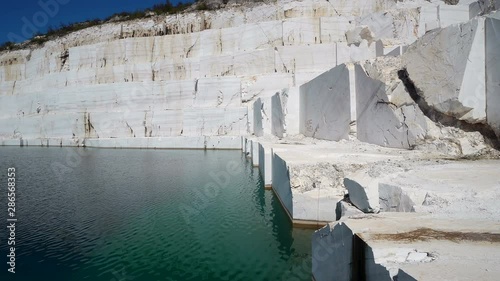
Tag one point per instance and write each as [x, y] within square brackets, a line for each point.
[354, 111]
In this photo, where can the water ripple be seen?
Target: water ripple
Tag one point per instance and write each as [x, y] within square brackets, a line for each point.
[150, 215]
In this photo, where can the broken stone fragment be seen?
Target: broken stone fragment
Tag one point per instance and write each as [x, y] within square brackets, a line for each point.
[363, 192]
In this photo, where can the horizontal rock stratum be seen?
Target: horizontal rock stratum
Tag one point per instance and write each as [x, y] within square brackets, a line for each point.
[357, 113]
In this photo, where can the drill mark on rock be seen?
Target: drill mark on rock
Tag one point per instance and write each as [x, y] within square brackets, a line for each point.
[130, 128]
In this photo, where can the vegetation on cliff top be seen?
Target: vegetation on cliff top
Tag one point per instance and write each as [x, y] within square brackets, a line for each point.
[64, 29]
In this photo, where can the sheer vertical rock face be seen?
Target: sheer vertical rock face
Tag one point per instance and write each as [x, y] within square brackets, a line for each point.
[493, 72]
[325, 105]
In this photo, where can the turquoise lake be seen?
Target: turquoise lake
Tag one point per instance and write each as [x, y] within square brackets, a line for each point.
[120, 214]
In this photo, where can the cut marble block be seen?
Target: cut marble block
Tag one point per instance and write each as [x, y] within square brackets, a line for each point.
[300, 31]
[493, 72]
[292, 59]
[325, 105]
[333, 29]
[386, 115]
[277, 116]
[258, 130]
[215, 121]
[265, 164]
[218, 92]
[448, 87]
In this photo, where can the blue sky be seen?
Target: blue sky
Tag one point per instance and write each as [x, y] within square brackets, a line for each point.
[19, 18]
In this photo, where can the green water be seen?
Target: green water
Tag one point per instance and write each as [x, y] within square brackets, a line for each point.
[116, 215]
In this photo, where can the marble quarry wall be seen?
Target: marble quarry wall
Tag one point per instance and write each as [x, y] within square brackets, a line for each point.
[200, 73]
[316, 93]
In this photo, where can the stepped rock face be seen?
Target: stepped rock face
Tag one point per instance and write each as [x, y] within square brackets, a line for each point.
[193, 74]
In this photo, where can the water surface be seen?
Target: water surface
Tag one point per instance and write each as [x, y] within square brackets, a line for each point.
[113, 215]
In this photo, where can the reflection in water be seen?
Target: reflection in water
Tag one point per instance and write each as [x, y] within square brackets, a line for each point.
[149, 215]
